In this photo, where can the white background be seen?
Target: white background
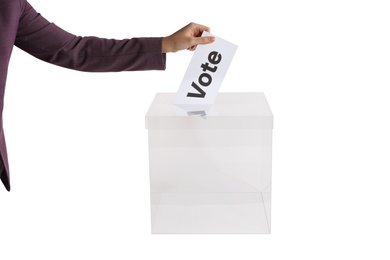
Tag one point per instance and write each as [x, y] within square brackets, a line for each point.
[78, 147]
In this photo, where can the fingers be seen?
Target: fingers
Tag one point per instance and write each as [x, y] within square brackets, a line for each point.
[198, 29]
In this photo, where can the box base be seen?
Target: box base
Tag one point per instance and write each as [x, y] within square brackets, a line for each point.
[210, 213]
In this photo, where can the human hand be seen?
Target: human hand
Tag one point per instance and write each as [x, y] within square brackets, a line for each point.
[187, 37]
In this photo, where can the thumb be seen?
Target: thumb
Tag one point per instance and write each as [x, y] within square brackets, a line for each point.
[203, 40]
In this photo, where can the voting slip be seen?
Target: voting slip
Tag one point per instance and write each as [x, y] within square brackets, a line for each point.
[205, 73]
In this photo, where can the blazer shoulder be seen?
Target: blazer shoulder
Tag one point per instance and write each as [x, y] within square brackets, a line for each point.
[13, 3]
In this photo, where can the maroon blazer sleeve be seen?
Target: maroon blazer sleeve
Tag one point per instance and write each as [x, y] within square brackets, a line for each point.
[22, 26]
[52, 44]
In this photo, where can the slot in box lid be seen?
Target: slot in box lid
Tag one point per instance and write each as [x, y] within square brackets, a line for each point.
[231, 110]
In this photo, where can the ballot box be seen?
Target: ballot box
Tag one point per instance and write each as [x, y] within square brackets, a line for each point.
[210, 166]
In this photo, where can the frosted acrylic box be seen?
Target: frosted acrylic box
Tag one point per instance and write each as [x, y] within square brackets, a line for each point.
[210, 167]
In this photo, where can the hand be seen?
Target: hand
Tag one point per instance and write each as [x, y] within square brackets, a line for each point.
[187, 37]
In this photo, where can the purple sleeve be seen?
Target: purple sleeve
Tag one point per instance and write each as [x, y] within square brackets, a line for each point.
[52, 44]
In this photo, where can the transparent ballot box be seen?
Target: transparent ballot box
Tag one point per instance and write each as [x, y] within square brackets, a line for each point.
[210, 166]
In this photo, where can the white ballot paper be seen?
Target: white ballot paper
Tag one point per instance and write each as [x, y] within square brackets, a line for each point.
[205, 72]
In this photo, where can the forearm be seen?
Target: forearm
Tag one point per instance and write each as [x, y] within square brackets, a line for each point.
[50, 43]
[102, 55]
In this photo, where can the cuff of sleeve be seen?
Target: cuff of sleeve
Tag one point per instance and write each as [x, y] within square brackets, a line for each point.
[152, 47]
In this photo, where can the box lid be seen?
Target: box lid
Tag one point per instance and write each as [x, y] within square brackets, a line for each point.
[231, 110]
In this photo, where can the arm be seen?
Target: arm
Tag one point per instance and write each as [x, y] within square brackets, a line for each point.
[52, 44]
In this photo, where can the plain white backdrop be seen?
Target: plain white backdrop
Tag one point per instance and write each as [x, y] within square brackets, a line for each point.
[78, 146]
